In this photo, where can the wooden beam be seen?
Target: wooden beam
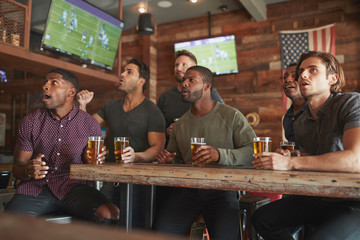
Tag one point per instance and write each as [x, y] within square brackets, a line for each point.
[146, 58]
[256, 8]
[27, 25]
[118, 67]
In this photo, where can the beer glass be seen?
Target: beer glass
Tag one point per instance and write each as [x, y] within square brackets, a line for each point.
[262, 144]
[287, 145]
[120, 143]
[195, 143]
[95, 143]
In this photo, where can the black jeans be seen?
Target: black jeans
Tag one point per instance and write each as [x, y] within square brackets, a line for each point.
[220, 210]
[81, 202]
[140, 202]
[329, 219]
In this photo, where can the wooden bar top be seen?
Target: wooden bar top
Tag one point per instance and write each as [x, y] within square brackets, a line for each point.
[326, 184]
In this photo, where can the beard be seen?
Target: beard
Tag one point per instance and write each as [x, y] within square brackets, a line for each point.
[179, 78]
[193, 96]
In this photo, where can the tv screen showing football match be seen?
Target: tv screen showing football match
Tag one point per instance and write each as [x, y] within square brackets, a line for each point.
[82, 31]
[217, 53]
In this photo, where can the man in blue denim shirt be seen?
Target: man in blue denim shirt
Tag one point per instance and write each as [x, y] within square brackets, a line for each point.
[329, 135]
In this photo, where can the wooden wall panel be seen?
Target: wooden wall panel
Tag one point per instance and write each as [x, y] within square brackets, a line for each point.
[257, 86]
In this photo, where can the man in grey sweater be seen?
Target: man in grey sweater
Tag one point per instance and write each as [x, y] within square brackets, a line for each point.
[229, 142]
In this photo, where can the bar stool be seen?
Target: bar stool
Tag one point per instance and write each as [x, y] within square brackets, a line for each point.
[59, 218]
[5, 196]
[248, 204]
[198, 230]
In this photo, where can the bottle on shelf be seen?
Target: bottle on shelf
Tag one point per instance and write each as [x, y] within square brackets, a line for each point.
[2, 30]
[15, 36]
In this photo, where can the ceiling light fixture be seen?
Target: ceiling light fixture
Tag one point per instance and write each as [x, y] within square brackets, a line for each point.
[193, 1]
[145, 23]
[164, 4]
[141, 10]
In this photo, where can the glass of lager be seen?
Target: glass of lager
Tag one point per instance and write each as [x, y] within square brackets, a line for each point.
[262, 144]
[120, 143]
[195, 143]
[95, 143]
[287, 145]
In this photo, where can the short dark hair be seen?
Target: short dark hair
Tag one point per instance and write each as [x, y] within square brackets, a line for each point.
[332, 67]
[186, 53]
[144, 71]
[67, 76]
[205, 74]
[291, 65]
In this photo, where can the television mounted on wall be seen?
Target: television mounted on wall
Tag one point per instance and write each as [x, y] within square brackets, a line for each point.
[83, 32]
[216, 53]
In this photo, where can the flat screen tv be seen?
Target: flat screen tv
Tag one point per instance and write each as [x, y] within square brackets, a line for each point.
[82, 31]
[217, 53]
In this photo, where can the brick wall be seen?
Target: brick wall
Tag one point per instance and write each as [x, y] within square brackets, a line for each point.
[257, 86]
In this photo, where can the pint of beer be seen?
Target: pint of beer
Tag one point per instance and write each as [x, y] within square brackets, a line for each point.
[195, 143]
[262, 144]
[287, 145]
[120, 143]
[95, 143]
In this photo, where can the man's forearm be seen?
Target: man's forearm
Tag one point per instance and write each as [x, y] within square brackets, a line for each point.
[148, 155]
[340, 161]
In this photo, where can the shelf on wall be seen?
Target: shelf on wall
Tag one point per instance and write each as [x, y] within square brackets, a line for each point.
[20, 59]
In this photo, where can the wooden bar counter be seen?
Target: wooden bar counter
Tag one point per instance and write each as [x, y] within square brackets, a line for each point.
[326, 184]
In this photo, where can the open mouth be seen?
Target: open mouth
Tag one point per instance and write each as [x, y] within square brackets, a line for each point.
[184, 91]
[45, 96]
[304, 83]
[289, 86]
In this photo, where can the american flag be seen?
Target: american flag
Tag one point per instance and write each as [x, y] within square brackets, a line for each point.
[295, 43]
